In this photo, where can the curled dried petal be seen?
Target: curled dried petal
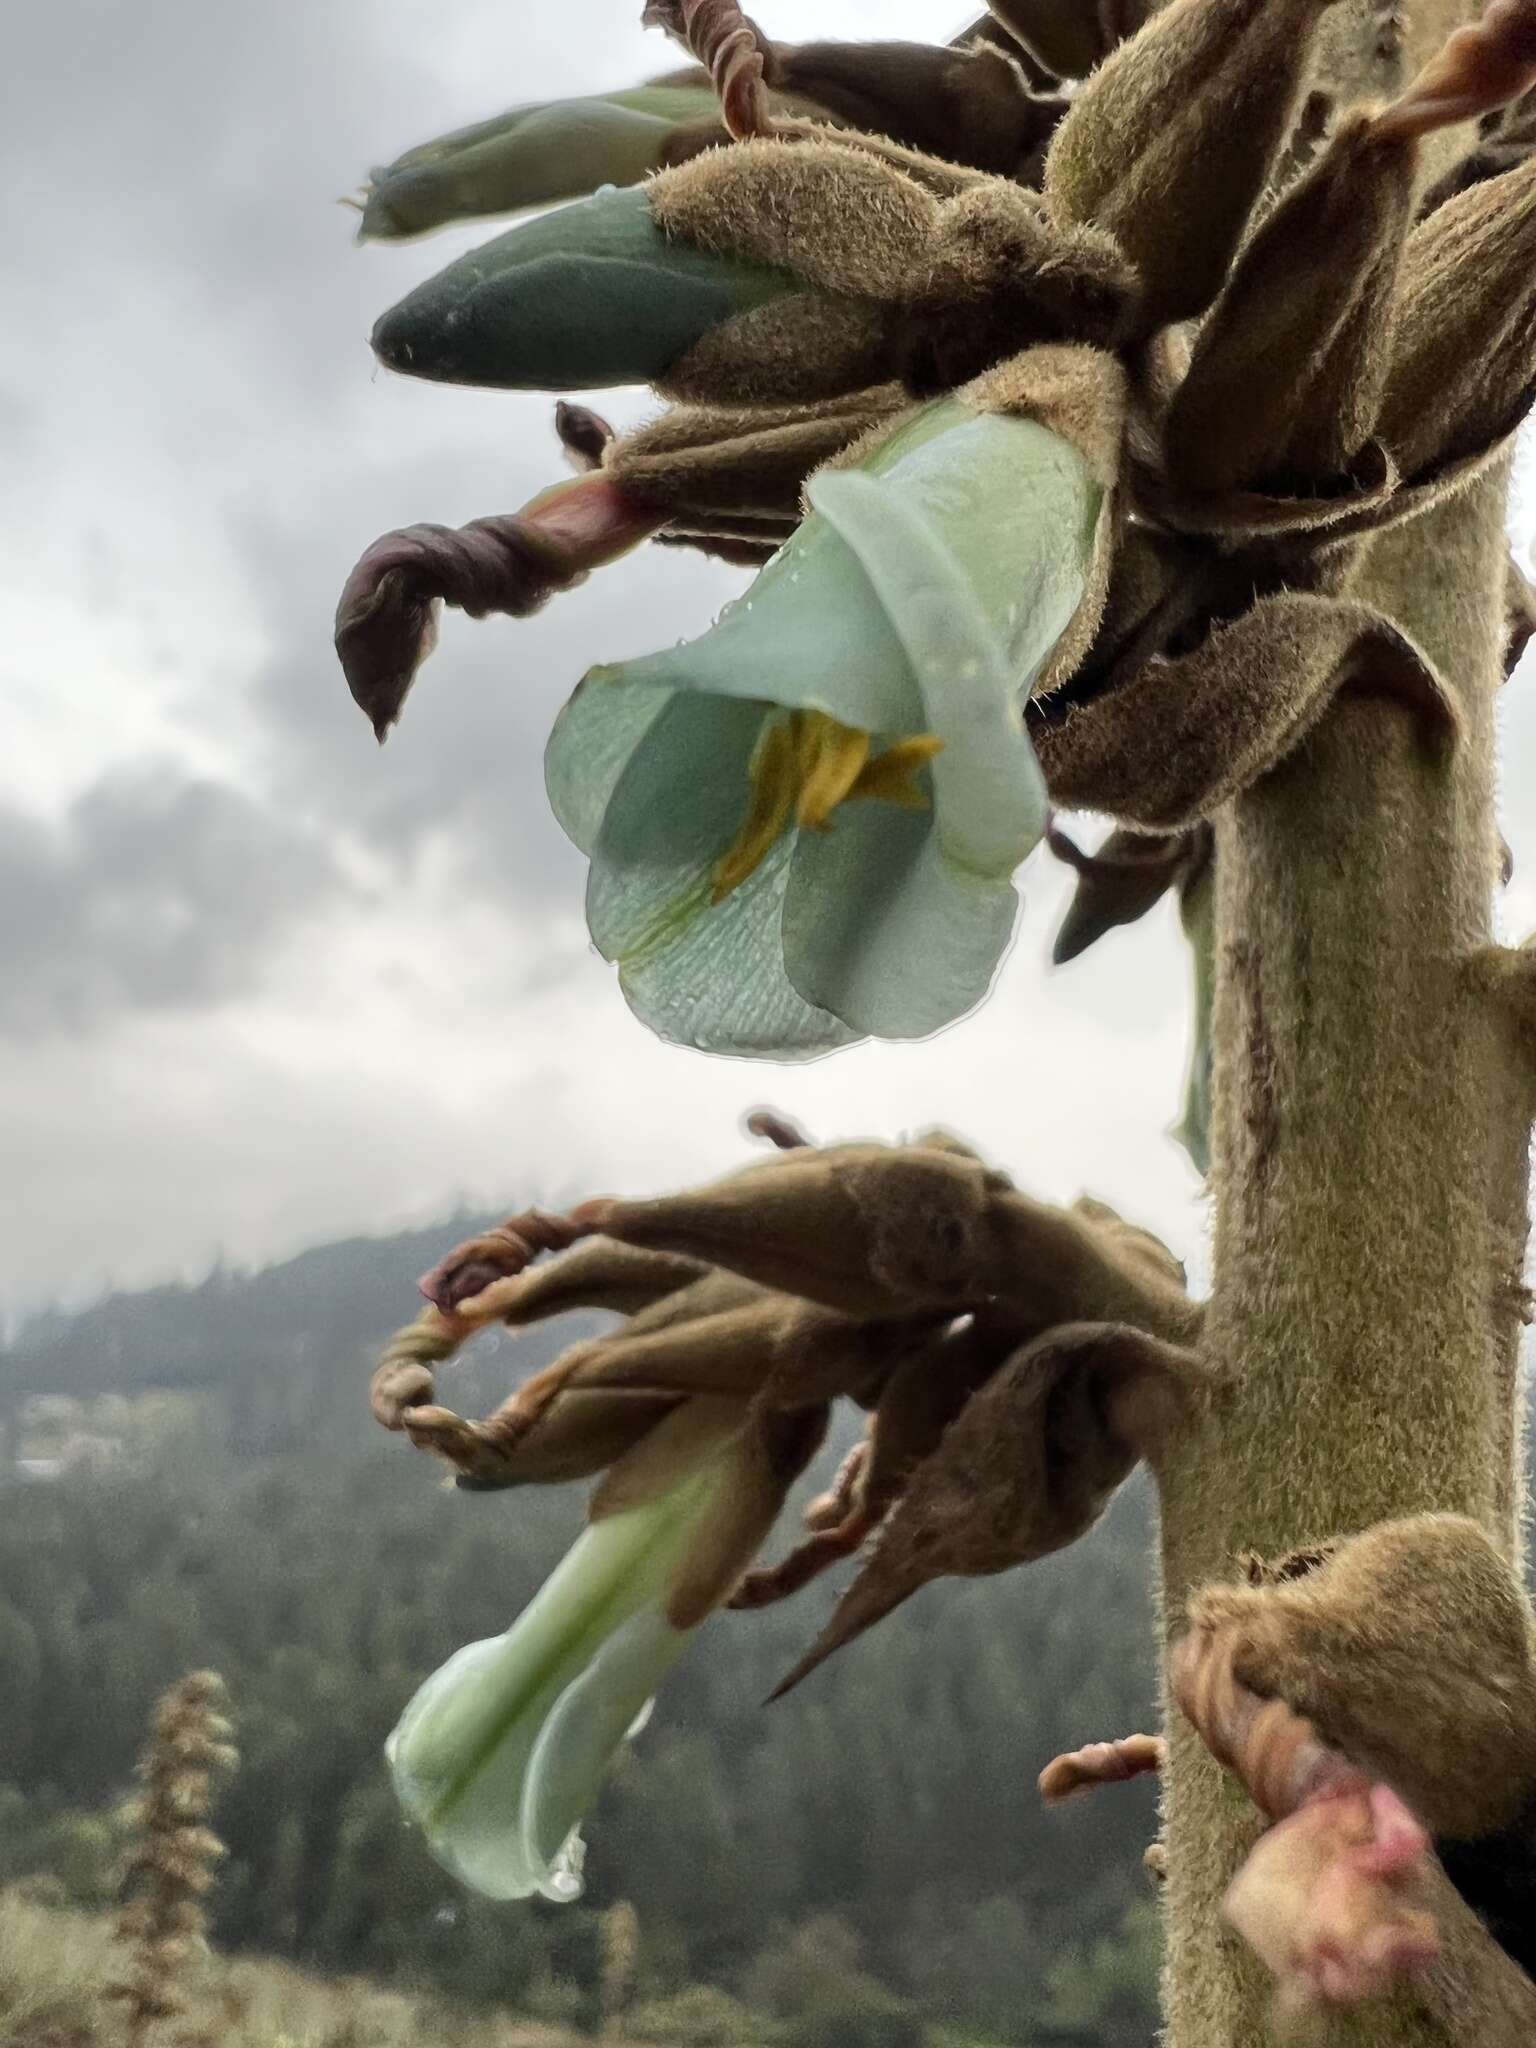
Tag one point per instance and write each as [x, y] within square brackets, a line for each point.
[1101, 1763]
[731, 48]
[386, 620]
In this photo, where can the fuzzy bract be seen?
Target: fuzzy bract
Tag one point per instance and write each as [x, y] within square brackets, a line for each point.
[803, 827]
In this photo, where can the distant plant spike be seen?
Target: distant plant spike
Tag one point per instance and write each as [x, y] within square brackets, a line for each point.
[1481, 69]
[731, 48]
[171, 1869]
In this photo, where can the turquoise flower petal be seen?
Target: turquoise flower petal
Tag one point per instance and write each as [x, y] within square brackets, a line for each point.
[589, 295]
[529, 156]
[699, 973]
[884, 931]
[988, 791]
[589, 748]
[810, 635]
[499, 1752]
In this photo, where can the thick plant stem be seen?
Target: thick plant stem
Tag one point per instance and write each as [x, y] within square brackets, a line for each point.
[1371, 1111]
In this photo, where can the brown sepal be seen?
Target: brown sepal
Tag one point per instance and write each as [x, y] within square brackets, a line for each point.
[703, 461]
[837, 215]
[800, 349]
[1170, 739]
[1122, 880]
[1314, 290]
[894, 1231]
[1002, 276]
[967, 106]
[1463, 365]
[1170, 144]
[926, 1380]
[1028, 1466]
[1070, 37]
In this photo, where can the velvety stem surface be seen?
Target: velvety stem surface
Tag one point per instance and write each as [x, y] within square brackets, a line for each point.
[1369, 1178]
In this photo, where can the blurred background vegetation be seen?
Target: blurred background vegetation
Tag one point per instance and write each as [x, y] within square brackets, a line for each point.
[188, 1477]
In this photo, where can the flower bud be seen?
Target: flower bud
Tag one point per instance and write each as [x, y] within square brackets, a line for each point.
[532, 156]
[590, 295]
[1169, 145]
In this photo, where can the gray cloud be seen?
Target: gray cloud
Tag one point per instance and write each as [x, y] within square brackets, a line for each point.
[156, 891]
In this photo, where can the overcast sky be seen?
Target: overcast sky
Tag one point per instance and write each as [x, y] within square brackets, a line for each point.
[264, 984]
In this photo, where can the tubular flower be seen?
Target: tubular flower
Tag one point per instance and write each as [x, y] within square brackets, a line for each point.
[803, 827]
[531, 156]
[501, 1752]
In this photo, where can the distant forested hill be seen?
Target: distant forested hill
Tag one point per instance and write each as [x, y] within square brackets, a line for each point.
[191, 1477]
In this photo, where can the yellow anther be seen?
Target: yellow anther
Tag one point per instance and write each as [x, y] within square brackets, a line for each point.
[892, 776]
[832, 758]
[804, 765]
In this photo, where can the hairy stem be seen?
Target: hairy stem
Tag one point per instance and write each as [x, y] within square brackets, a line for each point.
[1371, 1112]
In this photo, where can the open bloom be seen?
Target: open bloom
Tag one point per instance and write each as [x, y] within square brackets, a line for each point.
[803, 827]
[501, 1752]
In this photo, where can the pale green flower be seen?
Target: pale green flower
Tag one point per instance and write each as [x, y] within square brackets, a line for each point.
[501, 1753]
[803, 827]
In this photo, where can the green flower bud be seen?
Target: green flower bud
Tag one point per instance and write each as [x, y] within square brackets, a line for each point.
[591, 295]
[531, 156]
[1169, 144]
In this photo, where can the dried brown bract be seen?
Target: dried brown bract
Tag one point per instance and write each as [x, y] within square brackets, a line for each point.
[912, 1279]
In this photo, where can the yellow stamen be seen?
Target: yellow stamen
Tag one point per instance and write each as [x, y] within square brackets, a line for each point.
[892, 776]
[804, 765]
[832, 758]
[773, 776]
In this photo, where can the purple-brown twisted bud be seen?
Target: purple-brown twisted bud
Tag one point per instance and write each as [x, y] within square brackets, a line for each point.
[1275, 1753]
[1482, 67]
[386, 621]
[732, 49]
